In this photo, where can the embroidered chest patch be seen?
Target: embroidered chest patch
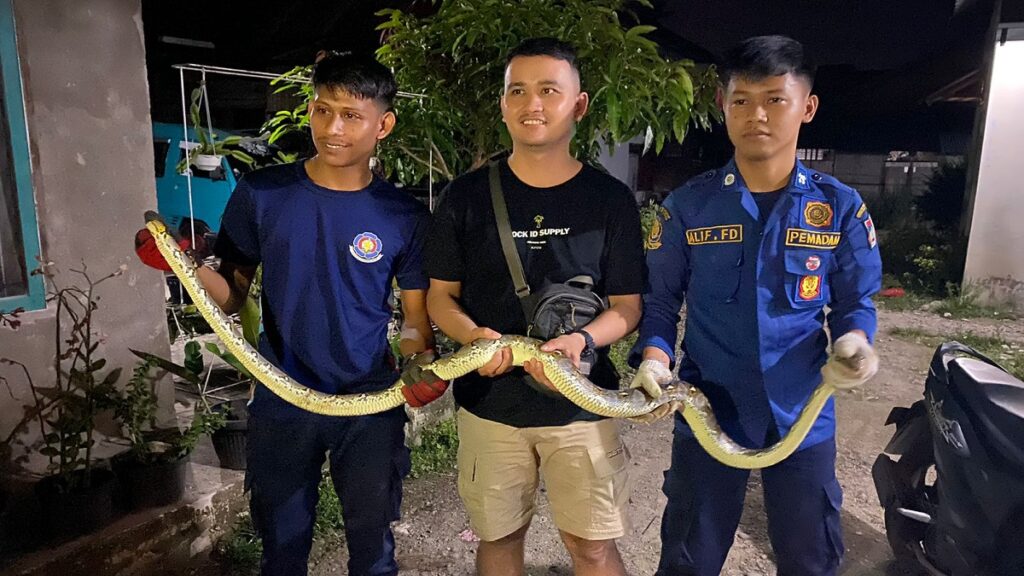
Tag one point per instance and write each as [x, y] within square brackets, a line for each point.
[801, 238]
[366, 247]
[731, 233]
[818, 214]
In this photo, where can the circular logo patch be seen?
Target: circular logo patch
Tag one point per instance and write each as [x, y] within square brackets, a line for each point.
[818, 214]
[813, 263]
[366, 247]
[729, 179]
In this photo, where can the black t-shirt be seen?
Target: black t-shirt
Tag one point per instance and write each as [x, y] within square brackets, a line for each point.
[766, 202]
[588, 225]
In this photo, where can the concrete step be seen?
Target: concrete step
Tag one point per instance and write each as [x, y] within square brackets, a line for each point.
[155, 541]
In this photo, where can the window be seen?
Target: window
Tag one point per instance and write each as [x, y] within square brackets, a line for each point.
[809, 154]
[19, 235]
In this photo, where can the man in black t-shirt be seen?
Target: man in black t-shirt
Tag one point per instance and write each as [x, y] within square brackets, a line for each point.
[567, 219]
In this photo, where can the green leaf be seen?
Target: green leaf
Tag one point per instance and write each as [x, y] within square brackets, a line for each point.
[112, 377]
[167, 365]
[636, 31]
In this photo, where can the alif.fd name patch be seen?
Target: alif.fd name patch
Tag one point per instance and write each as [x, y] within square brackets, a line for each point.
[727, 234]
[801, 238]
[818, 214]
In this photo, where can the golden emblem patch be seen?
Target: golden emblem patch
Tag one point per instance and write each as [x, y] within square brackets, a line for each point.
[818, 214]
[812, 239]
[810, 288]
[653, 240]
[730, 233]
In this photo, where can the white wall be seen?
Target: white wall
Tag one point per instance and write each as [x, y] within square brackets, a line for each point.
[995, 253]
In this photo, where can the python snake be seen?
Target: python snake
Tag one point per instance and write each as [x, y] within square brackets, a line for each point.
[695, 408]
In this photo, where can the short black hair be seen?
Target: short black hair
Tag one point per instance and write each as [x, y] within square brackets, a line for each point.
[763, 56]
[360, 76]
[545, 46]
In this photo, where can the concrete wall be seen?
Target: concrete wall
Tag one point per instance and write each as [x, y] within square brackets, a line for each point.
[87, 107]
[995, 253]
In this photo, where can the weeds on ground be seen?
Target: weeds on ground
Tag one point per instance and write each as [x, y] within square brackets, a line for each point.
[240, 552]
[437, 450]
[619, 354]
[1009, 355]
[958, 303]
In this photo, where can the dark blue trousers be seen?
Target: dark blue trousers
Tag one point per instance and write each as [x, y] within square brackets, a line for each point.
[705, 499]
[368, 460]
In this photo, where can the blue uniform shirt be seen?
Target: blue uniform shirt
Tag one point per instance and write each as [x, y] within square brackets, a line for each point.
[329, 259]
[755, 295]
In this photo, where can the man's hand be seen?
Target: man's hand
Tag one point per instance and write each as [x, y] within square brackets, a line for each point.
[501, 362]
[421, 387]
[569, 345]
[853, 361]
[149, 254]
[651, 377]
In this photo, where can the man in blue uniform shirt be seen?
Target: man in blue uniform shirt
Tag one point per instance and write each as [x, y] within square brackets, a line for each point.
[331, 238]
[757, 250]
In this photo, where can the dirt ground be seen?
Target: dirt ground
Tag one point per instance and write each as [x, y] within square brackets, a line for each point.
[432, 537]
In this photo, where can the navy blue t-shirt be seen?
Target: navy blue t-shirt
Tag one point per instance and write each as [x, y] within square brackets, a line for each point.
[329, 258]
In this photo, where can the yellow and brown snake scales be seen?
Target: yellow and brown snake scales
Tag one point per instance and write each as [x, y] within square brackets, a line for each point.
[611, 403]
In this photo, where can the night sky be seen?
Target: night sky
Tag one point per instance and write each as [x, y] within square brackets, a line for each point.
[879, 60]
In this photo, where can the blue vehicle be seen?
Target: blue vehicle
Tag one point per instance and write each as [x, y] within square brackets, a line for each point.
[210, 189]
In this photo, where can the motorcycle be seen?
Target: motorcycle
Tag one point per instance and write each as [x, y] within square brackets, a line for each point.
[954, 493]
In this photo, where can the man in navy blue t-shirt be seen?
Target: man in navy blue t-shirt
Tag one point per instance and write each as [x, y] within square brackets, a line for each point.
[331, 238]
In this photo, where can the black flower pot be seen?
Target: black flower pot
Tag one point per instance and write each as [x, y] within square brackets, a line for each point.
[229, 442]
[71, 513]
[152, 484]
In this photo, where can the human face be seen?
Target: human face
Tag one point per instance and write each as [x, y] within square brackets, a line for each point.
[346, 128]
[763, 117]
[542, 101]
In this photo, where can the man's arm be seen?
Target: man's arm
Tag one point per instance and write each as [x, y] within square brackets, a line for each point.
[856, 277]
[852, 319]
[621, 318]
[668, 266]
[444, 309]
[228, 286]
[416, 334]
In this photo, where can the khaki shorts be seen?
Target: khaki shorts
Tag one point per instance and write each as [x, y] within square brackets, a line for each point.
[583, 465]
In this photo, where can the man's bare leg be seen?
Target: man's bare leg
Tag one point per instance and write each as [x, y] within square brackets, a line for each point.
[502, 557]
[593, 557]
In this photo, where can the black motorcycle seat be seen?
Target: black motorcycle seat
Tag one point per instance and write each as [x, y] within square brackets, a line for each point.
[996, 401]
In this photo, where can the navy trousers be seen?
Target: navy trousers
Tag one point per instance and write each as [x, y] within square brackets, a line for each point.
[368, 460]
[705, 501]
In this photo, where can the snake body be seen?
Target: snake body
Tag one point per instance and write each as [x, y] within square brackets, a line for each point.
[695, 408]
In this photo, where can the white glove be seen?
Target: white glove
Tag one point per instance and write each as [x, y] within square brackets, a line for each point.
[853, 362]
[651, 376]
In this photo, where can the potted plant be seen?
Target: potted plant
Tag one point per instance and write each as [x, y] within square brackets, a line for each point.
[153, 470]
[229, 436]
[77, 496]
[230, 441]
[208, 151]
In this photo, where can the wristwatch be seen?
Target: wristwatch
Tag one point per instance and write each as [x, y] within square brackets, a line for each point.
[588, 340]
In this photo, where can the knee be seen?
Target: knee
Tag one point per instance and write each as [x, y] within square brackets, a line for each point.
[514, 539]
[590, 552]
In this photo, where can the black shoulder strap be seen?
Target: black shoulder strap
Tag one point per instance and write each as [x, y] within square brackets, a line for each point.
[508, 245]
